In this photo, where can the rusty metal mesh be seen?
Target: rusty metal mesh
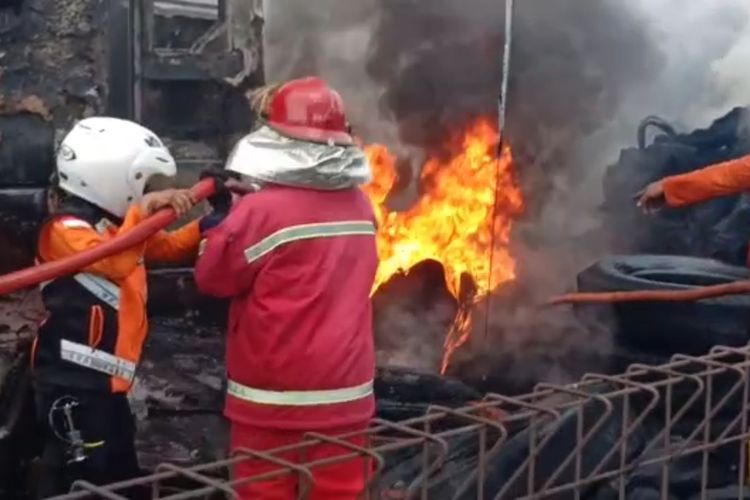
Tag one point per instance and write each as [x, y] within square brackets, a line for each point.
[594, 439]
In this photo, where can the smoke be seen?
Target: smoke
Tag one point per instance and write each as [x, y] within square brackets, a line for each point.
[704, 73]
[583, 75]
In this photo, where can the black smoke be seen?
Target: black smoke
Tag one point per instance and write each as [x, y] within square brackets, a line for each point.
[413, 70]
[583, 74]
[572, 64]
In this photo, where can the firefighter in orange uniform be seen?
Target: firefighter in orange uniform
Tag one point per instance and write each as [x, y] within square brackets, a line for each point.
[297, 258]
[86, 352]
[723, 179]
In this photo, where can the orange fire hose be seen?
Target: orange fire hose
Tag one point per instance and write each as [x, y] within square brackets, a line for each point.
[700, 293]
[18, 280]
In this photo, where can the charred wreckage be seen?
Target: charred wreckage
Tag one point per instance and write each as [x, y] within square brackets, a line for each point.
[667, 418]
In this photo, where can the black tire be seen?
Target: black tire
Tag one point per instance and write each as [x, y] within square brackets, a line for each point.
[656, 122]
[403, 393]
[663, 327]
[27, 151]
[562, 443]
[19, 436]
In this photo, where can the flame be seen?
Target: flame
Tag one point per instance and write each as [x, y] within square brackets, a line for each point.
[452, 221]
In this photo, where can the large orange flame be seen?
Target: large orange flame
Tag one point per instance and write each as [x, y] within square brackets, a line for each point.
[452, 221]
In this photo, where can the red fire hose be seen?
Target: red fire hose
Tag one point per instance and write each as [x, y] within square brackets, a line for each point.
[18, 280]
[701, 293]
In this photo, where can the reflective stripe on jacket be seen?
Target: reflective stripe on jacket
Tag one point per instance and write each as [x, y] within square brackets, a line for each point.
[96, 324]
[299, 398]
[298, 265]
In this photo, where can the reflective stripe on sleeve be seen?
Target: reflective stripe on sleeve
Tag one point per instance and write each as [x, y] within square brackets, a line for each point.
[103, 289]
[71, 223]
[299, 398]
[94, 359]
[306, 232]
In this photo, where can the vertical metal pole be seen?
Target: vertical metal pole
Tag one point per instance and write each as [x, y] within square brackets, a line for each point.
[503, 97]
[137, 54]
[121, 63]
[501, 119]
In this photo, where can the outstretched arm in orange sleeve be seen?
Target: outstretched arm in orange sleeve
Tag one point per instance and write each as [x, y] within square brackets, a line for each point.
[66, 236]
[172, 246]
[722, 179]
[178, 246]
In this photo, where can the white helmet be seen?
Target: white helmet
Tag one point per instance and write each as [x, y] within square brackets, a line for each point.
[107, 162]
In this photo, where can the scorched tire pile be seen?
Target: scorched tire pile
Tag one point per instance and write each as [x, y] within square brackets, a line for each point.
[662, 329]
[717, 229]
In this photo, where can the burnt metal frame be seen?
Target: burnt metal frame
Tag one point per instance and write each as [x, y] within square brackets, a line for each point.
[134, 58]
[219, 29]
[193, 63]
[492, 419]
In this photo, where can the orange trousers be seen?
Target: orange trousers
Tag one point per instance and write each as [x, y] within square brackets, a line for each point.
[341, 481]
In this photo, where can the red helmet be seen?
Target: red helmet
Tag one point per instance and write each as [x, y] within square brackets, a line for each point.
[310, 110]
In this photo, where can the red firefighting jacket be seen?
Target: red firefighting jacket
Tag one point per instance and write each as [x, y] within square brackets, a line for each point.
[96, 324]
[298, 265]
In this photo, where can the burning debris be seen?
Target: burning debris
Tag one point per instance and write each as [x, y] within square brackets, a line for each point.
[416, 73]
[425, 79]
[452, 221]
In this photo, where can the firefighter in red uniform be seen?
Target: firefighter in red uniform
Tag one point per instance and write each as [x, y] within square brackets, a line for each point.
[86, 352]
[297, 258]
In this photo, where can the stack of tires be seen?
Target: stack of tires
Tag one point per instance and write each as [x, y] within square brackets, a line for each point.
[654, 331]
[651, 333]
[26, 163]
[718, 229]
[19, 440]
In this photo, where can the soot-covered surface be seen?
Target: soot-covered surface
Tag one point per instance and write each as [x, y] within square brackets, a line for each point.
[178, 394]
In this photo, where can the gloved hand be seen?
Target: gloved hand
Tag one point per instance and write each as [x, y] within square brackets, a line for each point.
[221, 200]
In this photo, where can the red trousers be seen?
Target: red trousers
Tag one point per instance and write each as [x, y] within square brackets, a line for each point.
[341, 481]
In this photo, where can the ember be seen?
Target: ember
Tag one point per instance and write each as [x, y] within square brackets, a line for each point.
[451, 222]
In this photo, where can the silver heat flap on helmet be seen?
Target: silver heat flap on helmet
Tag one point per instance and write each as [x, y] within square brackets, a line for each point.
[265, 156]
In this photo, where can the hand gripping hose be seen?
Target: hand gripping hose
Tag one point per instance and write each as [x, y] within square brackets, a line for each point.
[700, 293]
[18, 280]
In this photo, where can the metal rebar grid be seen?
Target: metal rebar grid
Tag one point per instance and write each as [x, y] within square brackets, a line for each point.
[674, 431]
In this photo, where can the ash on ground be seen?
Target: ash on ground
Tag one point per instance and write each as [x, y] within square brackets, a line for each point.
[178, 395]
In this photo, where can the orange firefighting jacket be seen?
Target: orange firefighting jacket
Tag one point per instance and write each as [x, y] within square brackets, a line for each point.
[96, 324]
[722, 179]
